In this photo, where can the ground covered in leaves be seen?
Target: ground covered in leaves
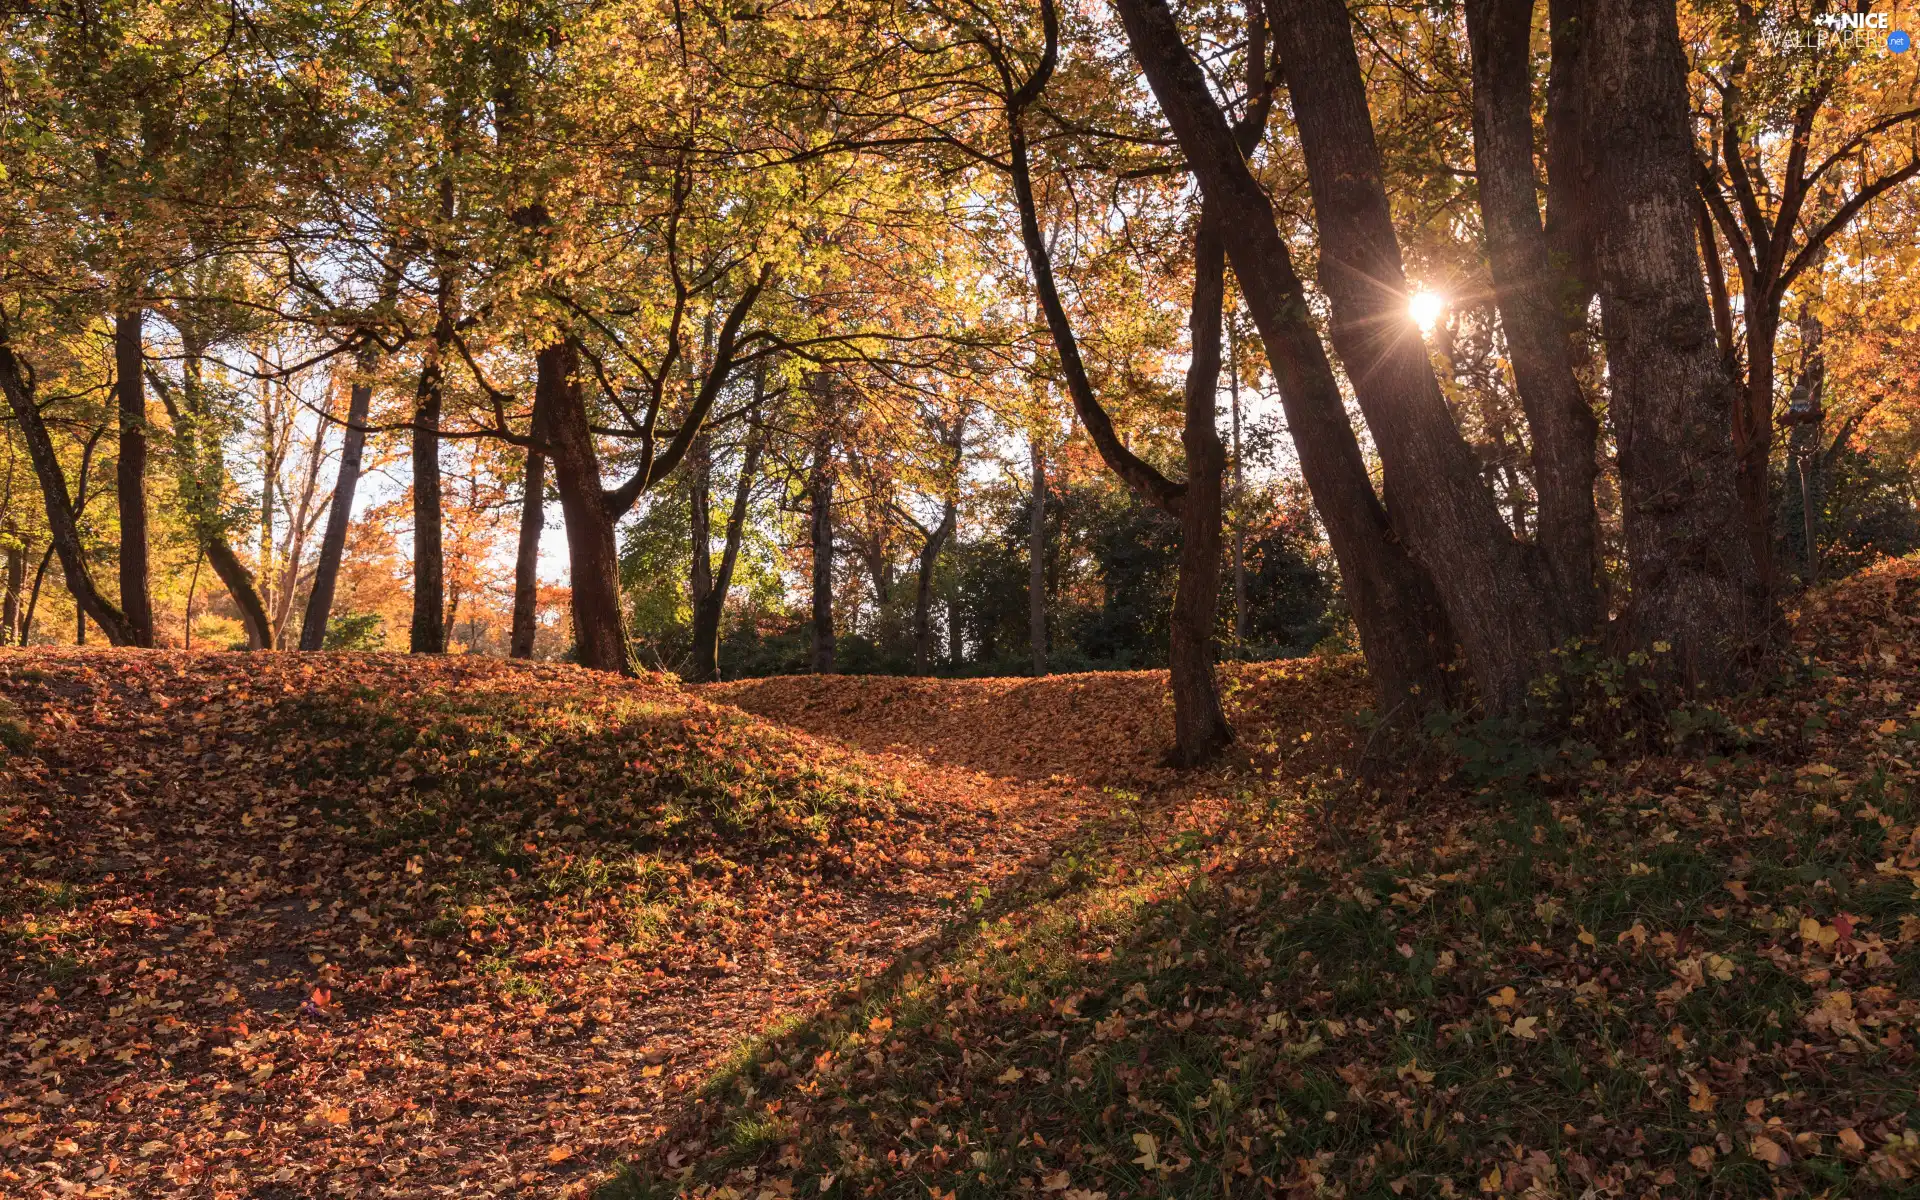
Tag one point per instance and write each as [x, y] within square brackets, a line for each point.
[1691, 968]
[281, 926]
[288, 926]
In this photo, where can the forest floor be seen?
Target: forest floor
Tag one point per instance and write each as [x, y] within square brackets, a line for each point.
[287, 926]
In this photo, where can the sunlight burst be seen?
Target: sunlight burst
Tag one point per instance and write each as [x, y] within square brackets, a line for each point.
[1426, 308]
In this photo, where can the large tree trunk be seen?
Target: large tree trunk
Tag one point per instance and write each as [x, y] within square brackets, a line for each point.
[62, 524]
[526, 561]
[1562, 423]
[1402, 629]
[1037, 559]
[130, 474]
[1570, 213]
[428, 633]
[820, 497]
[1437, 501]
[333, 543]
[1690, 564]
[1200, 729]
[593, 556]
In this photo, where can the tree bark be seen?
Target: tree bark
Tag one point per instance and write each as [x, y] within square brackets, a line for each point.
[130, 474]
[526, 561]
[240, 585]
[710, 606]
[62, 524]
[428, 633]
[1565, 433]
[333, 543]
[599, 628]
[1401, 626]
[1437, 501]
[1200, 730]
[1569, 219]
[1037, 559]
[16, 580]
[820, 496]
[1239, 489]
[1695, 582]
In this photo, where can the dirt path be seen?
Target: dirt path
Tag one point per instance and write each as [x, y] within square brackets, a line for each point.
[207, 991]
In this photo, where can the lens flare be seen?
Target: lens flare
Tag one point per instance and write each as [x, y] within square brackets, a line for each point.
[1426, 309]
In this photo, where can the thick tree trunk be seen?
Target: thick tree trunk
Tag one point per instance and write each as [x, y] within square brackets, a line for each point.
[1037, 559]
[62, 524]
[428, 633]
[593, 556]
[1200, 729]
[1437, 501]
[820, 496]
[130, 474]
[1569, 221]
[1402, 629]
[526, 561]
[333, 543]
[1562, 423]
[1695, 582]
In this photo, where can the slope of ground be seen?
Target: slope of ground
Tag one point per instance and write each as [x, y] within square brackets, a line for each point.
[1105, 729]
[1665, 974]
[281, 926]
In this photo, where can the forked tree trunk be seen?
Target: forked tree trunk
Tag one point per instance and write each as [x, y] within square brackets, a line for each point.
[1562, 423]
[1695, 583]
[820, 497]
[333, 543]
[1437, 501]
[599, 631]
[1200, 729]
[526, 561]
[428, 632]
[1037, 559]
[710, 606]
[130, 473]
[62, 524]
[1402, 629]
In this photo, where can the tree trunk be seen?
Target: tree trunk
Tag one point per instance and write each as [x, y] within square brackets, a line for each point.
[62, 524]
[1753, 433]
[240, 585]
[1239, 489]
[923, 590]
[428, 634]
[1562, 423]
[1437, 501]
[526, 562]
[333, 543]
[708, 614]
[705, 664]
[956, 638]
[1037, 559]
[820, 495]
[1569, 222]
[1200, 730]
[1695, 582]
[593, 556]
[16, 580]
[1402, 629]
[130, 474]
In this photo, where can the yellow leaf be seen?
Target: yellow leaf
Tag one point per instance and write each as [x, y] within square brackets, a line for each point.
[1149, 1150]
[1720, 968]
[1503, 998]
[1851, 1140]
[1525, 1028]
[1010, 1075]
[1702, 1098]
